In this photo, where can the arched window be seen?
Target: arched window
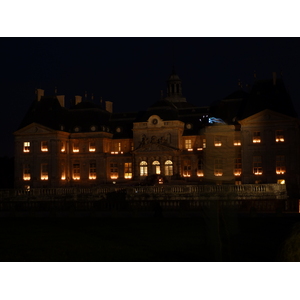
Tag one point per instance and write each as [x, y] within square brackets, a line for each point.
[143, 168]
[168, 168]
[156, 165]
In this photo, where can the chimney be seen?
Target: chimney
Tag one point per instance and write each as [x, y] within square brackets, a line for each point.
[109, 106]
[78, 99]
[61, 100]
[274, 78]
[40, 94]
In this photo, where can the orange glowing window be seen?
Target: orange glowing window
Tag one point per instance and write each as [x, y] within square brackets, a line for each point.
[26, 147]
[93, 171]
[128, 170]
[26, 172]
[92, 146]
[200, 172]
[256, 137]
[279, 136]
[114, 171]
[237, 142]
[44, 171]
[168, 168]
[156, 165]
[63, 147]
[257, 165]
[188, 145]
[76, 147]
[187, 168]
[44, 146]
[237, 166]
[218, 142]
[280, 164]
[143, 168]
[76, 171]
[218, 167]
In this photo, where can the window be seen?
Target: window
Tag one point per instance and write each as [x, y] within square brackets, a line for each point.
[169, 168]
[218, 142]
[143, 168]
[63, 147]
[26, 147]
[188, 145]
[204, 143]
[44, 146]
[116, 148]
[200, 172]
[132, 146]
[114, 172]
[92, 171]
[187, 168]
[280, 164]
[237, 166]
[279, 136]
[256, 137]
[44, 171]
[76, 171]
[257, 165]
[63, 173]
[218, 168]
[76, 147]
[26, 172]
[92, 146]
[156, 165]
[128, 170]
[237, 143]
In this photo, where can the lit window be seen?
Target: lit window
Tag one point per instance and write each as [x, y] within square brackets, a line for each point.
[63, 147]
[156, 165]
[237, 166]
[44, 146]
[256, 137]
[92, 174]
[218, 168]
[114, 172]
[76, 171]
[92, 147]
[204, 143]
[280, 181]
[143, 168]
[128, 170]
[200, 172]
[169, 168]
[132, 146]
[279, 136]
[26, 147]
[218, 142]
[187, 168]
[76, 147]
[44, 171]
[26, 172]
[280, 164]
[63, 173]
[188, 145]
[237, 143]
[257, 165]
[116, 148]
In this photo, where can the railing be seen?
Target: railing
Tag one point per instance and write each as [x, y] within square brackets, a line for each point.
[247, 191]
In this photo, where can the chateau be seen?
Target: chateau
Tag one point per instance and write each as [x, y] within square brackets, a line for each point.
[245, 138]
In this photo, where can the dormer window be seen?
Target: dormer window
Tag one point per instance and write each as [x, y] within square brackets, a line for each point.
[26, 147]
[44, 146]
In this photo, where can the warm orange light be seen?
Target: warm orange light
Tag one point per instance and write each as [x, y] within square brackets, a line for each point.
[199, 149]
[113, 177]
[280, 172]
[256, 140]
[75, 150]
[44, 177]
[281, 139]
[237, 173]
[26, 147]
[258, 173]
[76, 177]
[218, 144]
[280, 181]
[186, 175]
[92, 177]
[63, 177]
[237, 143]
[26, 177]
[190, 149]
[200, 174]
[128, 176]
[218, 173]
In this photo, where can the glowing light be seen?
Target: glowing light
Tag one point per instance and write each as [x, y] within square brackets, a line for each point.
[218, 173]
[199, 149]
[44, 177]
[190, 149]
[237, 143]
[26, 147]
[26, 177]
[128, 176]
[280, 172]
[256, 140]
[237, 172]
[257, 172]
[218, 144]
[113, 177]
[63, 177]
[92, 177]
[280, 139]
[280, 181]
[200, 174]
[186, 175]
[76, 177]
[44, 146]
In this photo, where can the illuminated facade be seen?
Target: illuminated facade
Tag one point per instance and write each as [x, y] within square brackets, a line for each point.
[244, 138]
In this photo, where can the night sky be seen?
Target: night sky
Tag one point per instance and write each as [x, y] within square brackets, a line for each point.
[131, 72]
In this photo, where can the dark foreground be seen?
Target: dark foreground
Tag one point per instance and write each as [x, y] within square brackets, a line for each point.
[180, 238]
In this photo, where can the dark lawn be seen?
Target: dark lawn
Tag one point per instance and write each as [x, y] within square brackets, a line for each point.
[175, 239]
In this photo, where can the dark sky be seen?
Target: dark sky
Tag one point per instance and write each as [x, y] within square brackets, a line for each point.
[131, 72]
